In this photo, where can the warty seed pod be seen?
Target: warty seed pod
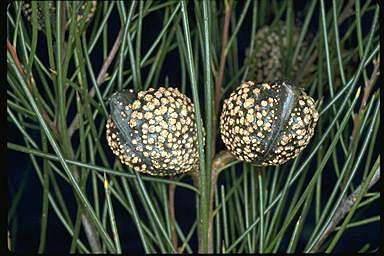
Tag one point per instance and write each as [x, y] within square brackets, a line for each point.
[154, 131]
[85, 11]
[267, 60]
[267, 123]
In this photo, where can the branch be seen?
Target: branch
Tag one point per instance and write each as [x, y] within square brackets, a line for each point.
[343, 209]
[91, 233]
[15, 58]
[367, 91]
[221, 160]
[308, 66]
[224, 40]
[9, 242]
[103, 71]
[218, 84]
[348, 11]
[63, 29]
[90, 230]
[100, 79]
[19, 66]
[172, 215]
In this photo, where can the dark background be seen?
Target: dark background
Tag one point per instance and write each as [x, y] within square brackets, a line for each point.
[58, 240]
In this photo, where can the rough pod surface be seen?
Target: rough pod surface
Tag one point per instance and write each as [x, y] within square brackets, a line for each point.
[84, 9]
[267, 61]
[153, 131]
[267, 123]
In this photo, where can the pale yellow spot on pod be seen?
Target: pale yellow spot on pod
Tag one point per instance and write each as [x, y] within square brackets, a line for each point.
[136, 104]
[264, 103]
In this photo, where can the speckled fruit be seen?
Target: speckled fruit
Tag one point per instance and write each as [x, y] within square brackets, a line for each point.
[154, 131]
[84, 9]
[267, 123]
[267, 61]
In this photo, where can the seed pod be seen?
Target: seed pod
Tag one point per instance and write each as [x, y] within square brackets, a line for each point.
[267, 123]
[84, 9]
[154, 131]
[267, 60]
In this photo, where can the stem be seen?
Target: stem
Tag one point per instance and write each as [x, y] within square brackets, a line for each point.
[16, 59]
[90, 230]
[261, 210]
[221, 160]
[9, 241]
[100, 79]
[343, 209]
[210, 213]
[220, 74]
[67, 149]
[204, 180]
[196, 182]
[63, 28]
[171, 195]
[348, 11]
[224, 40]
[367, 91]
[45, 205]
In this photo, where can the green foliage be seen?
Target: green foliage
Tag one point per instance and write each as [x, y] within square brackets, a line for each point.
[306, 205]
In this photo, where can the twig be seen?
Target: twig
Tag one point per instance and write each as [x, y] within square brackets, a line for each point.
[102, 74]
[100, 79]
[172, 216]
[9, 242]
[367, 91]
[15, 58]
[219, 162]
[343, 209]
[218, 85]
[348, 11]
[210, 216]
[196, 183]
[19, 66]
[88, 226]
[91, 232]
[63, 24]
[224, 40]
[308, 66]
